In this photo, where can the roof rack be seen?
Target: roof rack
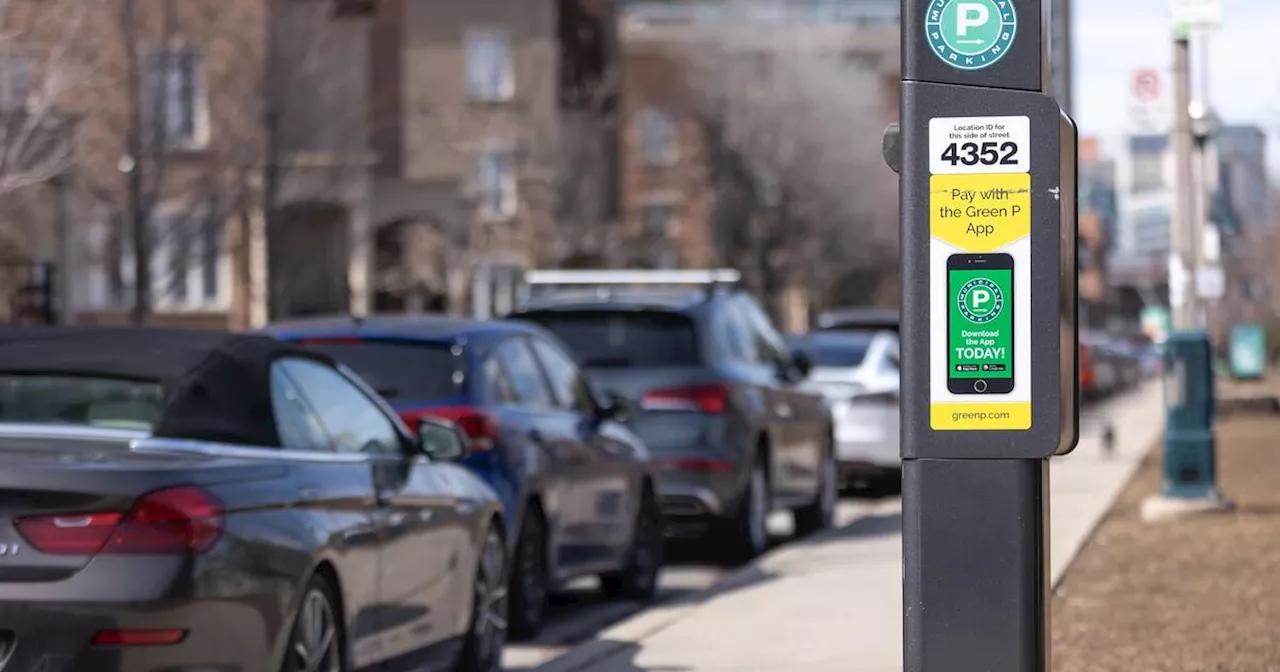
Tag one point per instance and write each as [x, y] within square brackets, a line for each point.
[604, 282]
[722, 276]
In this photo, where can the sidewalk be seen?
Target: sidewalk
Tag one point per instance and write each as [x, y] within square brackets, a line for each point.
[835, 602]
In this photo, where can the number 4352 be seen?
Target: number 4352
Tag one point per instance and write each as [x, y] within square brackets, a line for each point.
[987, 154]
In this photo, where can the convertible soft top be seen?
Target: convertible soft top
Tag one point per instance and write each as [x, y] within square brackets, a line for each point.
[217, 384]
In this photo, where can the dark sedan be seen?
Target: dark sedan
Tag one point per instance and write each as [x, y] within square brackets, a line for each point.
[178, 500]
[578, 485]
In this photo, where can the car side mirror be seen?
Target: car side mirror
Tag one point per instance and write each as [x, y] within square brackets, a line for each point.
[441, 440]
[616, 407]
[802, 363]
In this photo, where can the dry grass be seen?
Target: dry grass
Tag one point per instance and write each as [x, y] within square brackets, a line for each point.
[1197, 595]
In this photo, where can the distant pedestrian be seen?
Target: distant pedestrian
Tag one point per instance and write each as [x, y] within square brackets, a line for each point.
[1108, 440]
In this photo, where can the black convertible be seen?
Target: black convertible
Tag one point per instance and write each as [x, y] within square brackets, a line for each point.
[179, 500]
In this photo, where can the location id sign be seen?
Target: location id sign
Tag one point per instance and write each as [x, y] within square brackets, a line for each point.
[980, 273]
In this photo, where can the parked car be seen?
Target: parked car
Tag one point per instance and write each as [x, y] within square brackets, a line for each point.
[1103, 363]
[717, 396]
[859, 374]
[198, 500]
[577, 484]
[858, 319]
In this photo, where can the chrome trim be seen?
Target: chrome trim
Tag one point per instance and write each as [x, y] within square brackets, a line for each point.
[162, 445]
[703, 494]
[39, 431]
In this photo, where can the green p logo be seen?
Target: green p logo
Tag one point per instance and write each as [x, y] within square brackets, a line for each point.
[970, 34]
[980, 300]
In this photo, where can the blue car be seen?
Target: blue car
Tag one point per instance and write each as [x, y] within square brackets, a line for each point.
[578, 486]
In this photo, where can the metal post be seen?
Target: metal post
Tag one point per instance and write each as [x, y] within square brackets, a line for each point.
[1183, 298]
[988, 207]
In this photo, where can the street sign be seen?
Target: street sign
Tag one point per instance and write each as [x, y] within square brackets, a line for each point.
[1248, 351]
[1211, 283]
[1146, 86]
[1156, 322]
[989, 373]
[1196, 14]
[971, 34]
[1149, 105]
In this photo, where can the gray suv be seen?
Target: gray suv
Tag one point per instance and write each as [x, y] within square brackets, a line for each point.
[716, 395]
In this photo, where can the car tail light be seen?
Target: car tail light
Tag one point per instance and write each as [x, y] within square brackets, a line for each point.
[481, 428]
[138, 637]
[704, 398]
[173, 521]
[695, 464]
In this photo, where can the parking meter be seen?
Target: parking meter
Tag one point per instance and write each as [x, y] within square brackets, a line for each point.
[988, 235]
[1189, 463]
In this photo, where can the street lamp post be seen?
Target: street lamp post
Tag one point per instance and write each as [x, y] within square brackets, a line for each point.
[1204, 128]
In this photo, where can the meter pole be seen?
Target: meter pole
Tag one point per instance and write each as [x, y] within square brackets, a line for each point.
[987, 164]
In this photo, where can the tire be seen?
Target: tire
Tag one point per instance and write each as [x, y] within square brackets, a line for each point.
[487, 631]
[821, 513]
[530, 589]
[638, 579]
[746, 535]
[317, 631]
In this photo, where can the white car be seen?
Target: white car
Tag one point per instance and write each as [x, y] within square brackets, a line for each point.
[857, 371]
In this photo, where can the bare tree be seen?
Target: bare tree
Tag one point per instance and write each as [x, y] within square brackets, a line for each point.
[797, 132]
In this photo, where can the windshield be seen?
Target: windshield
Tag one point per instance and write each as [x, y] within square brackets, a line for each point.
[844, 351]
[648, 339]
[80, 400]
[400, 370]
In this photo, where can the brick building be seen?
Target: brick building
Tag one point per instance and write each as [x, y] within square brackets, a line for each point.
[297, 157]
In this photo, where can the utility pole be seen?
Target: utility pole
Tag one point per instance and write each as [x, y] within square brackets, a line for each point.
[131, 166]
[1183, 261]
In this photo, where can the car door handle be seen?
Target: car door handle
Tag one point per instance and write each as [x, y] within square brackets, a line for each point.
[397, 518]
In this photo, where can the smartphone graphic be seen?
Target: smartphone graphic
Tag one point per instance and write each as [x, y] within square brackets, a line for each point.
[980, 324]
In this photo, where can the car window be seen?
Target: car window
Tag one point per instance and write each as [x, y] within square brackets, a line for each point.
[296, 422]
[496, 382]
[837, 350]
[418, 372]
[522, 370]
[570, 389]
[739, 342]
[624, 338]
[768, 342]
[354, 422]
[80, 400]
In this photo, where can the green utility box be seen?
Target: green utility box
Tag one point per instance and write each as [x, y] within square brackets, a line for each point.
[1189, 450]
[1248, 351]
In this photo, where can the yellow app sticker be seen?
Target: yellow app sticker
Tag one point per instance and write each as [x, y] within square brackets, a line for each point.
[980, 213]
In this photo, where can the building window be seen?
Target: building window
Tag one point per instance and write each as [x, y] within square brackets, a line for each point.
[657, 219]
[15, 82]
[657, 137]
[490, 76]
[496, 183]
[175, 113]
[188, 263]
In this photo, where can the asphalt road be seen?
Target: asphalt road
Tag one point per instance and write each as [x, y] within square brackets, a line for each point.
[582, 612]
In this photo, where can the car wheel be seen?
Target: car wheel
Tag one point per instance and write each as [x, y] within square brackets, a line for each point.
[639, 578]
[317, 642]
[530, 579]
[747, 533]
[820, 514]
[482, 651]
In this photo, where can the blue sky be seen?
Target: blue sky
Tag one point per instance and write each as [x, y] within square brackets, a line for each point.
[1115, 37]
